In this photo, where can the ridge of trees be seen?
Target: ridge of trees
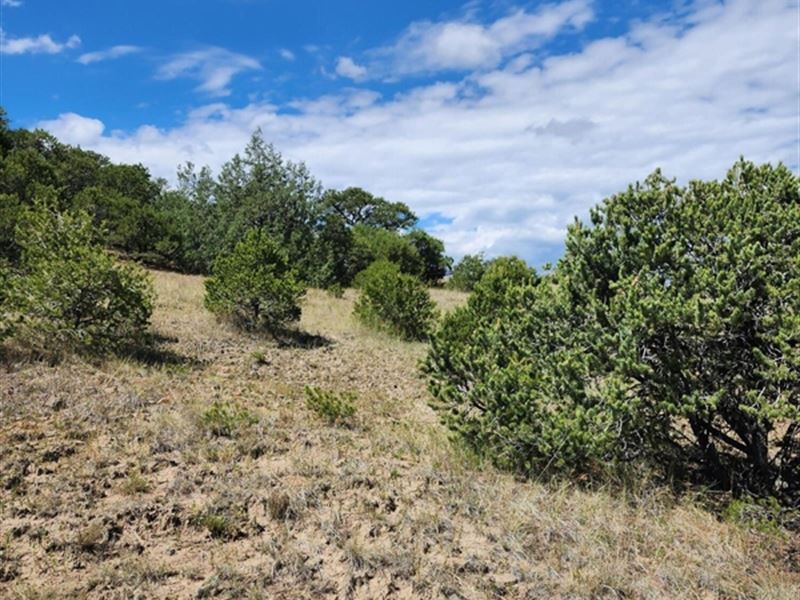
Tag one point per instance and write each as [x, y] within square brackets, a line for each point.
[328, 235]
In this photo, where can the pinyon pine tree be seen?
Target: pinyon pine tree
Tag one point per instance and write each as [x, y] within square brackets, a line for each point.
[669, 333]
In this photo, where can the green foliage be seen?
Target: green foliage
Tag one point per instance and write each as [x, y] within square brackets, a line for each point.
[68, 294]
[187, 228]
[332, 406]
[335, 291]
[5, 315]
[394, 302]
[358, 207]
[761, 514]
[431, 253]
[332, 254]
[225, 419]
[262, 190]
[371, 244]
[669, 332]
[467, 273]
[10, 211]
[254, 286]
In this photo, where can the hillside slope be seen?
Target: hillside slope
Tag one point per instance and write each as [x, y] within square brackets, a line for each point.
[113, 483]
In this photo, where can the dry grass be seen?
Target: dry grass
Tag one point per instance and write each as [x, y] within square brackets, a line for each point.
[112, 484]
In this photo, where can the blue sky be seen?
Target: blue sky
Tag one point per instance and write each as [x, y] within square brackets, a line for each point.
[496, 120]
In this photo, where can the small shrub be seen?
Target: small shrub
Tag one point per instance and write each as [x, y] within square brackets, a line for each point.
[394, 302]
[260, 358]
[332, 406]
[220, 525]
[68, 293]
[254, 286]
[224, 419]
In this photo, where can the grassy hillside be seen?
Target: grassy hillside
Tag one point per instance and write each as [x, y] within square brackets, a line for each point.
[116, 478]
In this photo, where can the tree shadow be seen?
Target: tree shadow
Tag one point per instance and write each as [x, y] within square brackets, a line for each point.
[150, 351]
[295, 338]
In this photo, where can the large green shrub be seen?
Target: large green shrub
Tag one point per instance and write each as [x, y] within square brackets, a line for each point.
[68, 294]
[669, 332]
[394, 301]
[254, 286]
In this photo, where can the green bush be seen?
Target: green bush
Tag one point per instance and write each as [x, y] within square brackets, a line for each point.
[467, 273]
[224, 419]
[68, 294]
[669, 333]
[395, 302]
[332, 406]
[254, 286]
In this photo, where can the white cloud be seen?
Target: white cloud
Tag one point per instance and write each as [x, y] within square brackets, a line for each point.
[75, 128]
[214, 67]
[11, 3]
[287, 54]
[347, 67]
[41, 44]
[511, 154]
[467, 45]
[108, 54]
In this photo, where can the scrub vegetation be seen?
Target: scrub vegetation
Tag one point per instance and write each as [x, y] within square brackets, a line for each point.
[249, 386]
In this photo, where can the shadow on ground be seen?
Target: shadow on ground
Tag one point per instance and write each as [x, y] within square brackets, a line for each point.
[295, 338]
[152, 351]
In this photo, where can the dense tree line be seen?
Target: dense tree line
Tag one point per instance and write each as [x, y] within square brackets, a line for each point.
[328, 236]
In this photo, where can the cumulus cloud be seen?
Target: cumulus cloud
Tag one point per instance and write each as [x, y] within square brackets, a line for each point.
[214, 67]
[75, 128]
[108, 54]
[11, 3]
[467, 45]
[41, 44]
[347, 67]
[287, 54]
[508, 155]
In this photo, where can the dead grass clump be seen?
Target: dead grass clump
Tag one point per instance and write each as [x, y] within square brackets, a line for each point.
[135, 484]
[95, 537]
